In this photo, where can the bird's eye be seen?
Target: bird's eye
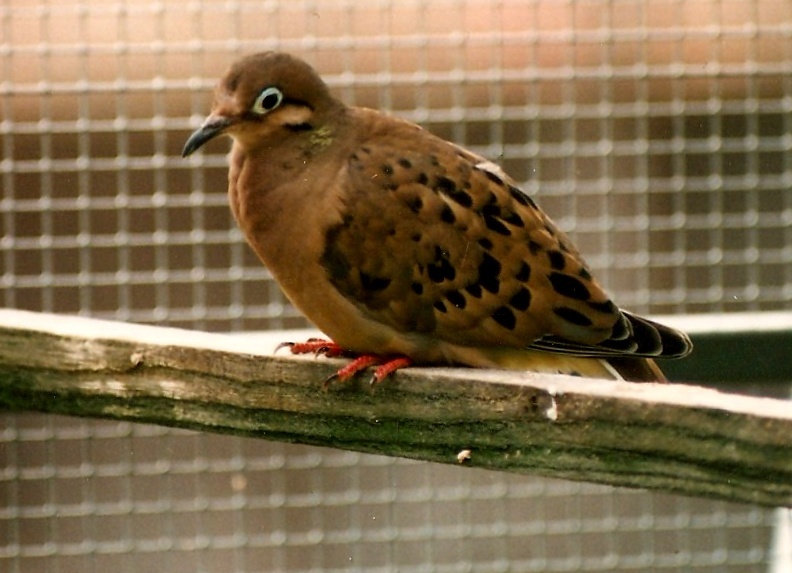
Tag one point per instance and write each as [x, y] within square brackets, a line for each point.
[267, 100]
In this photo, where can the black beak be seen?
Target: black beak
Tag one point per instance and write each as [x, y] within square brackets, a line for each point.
[211, 128]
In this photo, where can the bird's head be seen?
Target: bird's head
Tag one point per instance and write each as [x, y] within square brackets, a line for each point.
[261, 96]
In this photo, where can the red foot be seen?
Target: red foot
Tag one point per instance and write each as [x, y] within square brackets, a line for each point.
[314, 346]
[385, 365]
[388, 367]
[357, 365]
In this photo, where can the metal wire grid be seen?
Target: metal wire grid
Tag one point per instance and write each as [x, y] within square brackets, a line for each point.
[661, 144]
[87, 496]
[656, 132]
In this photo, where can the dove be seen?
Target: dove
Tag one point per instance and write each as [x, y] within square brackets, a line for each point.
[406, 249]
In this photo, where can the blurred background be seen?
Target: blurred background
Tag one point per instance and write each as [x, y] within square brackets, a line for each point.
[656, 132]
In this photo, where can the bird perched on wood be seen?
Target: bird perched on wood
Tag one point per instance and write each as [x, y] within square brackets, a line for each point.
[406, 249]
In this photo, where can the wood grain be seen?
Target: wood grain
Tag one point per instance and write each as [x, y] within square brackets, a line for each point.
[671, 437]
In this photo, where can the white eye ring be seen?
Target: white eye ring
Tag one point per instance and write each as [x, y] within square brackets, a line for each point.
[267, 100]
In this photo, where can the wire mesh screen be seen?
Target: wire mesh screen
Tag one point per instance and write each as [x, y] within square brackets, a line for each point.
[657, 133]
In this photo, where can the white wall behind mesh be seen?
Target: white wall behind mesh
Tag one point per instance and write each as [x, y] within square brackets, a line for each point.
[656, 132]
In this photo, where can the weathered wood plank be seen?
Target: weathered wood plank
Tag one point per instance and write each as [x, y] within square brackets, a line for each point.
[673, 437]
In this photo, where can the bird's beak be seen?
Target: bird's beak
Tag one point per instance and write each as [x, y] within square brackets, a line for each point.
[211, 128]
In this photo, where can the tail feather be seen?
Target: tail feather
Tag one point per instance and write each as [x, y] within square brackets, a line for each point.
[645, 339]
[655, 339]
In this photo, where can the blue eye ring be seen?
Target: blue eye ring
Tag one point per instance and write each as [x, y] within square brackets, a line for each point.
[267, 100]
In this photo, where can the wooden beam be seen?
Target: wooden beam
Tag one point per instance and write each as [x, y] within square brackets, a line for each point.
[671, 437]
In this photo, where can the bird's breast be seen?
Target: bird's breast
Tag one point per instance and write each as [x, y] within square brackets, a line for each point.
[285, 219]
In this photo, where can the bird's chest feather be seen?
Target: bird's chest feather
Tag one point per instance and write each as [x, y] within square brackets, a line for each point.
[283, 206]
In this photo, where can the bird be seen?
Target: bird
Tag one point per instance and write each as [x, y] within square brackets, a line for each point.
[405, 249]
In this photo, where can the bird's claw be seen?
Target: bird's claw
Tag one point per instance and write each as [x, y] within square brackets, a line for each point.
[283, 345]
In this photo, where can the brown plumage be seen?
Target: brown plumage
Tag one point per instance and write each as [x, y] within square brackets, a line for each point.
[395, 242]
